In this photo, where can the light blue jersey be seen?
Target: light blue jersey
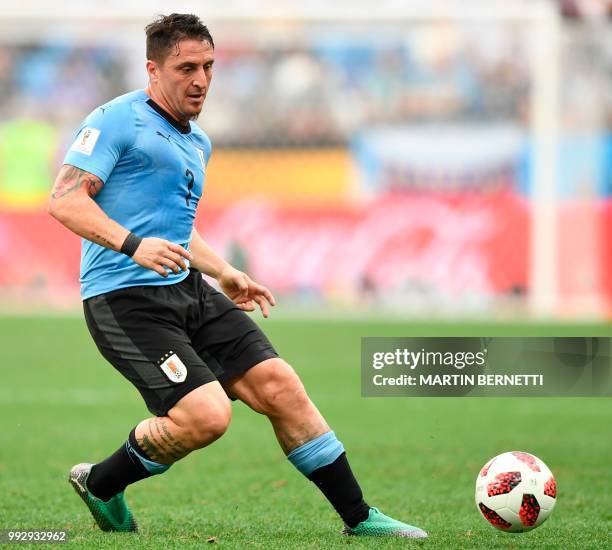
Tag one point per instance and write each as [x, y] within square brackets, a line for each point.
[153, 173]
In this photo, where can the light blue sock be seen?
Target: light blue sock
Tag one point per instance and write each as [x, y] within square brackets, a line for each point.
[315, 454]
[153, 468]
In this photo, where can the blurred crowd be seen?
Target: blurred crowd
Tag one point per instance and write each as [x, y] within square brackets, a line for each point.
[328, 85]
[337, 84]
[57, 81]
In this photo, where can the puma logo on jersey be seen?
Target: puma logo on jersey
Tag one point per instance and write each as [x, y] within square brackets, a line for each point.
[201, 155]
[163, 135]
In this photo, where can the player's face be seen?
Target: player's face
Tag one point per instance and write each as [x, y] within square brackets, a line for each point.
[184, 77]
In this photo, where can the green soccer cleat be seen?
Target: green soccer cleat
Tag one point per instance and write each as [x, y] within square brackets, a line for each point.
[110, 515]
[379, 525]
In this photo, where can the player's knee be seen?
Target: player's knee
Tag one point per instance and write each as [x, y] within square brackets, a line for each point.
[210, 423]
[282, 390]
[204, 416]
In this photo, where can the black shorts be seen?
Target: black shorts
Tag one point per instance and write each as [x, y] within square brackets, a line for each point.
[168, 340]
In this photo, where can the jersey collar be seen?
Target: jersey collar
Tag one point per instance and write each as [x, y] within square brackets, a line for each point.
[182, 129]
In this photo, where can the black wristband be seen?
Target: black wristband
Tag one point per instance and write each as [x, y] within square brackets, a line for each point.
[131, 244]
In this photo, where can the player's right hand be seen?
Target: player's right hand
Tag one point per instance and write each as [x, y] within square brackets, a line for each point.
[157, 254]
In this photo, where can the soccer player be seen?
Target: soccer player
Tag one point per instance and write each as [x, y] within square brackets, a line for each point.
[130, 185]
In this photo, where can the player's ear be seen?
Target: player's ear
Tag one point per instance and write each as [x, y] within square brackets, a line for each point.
[152, 70]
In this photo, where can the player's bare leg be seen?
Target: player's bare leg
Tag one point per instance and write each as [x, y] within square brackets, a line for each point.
[198, 419]
[273, 388]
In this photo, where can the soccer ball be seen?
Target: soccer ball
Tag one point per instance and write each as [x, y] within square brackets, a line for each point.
[515, 492]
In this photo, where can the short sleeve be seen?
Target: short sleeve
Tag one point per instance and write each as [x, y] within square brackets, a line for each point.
[206, 145]
[101, 140]
[208, 149]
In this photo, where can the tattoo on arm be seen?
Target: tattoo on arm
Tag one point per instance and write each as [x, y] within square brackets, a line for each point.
[101, 240]
[71, 178]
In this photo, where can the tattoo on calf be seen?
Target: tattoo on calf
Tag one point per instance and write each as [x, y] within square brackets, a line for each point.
[71, 178]
[149, 447]
[160, 444]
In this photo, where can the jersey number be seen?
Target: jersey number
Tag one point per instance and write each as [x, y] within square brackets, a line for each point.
[189, 174]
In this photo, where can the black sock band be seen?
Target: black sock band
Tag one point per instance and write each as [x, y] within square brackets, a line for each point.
[337, 482]
[115, 473]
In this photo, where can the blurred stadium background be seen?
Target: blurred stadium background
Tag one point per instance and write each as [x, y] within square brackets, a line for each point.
[415, 164]
[439, 159]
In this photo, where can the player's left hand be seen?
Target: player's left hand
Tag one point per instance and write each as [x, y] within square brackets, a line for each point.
[245, 292]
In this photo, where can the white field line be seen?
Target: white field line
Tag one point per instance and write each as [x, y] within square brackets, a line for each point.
[58, 396]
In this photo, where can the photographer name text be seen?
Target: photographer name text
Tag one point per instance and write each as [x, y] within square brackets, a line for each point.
[411, 360]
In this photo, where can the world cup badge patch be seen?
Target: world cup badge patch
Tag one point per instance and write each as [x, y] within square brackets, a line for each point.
[86, 141]
[174, 368]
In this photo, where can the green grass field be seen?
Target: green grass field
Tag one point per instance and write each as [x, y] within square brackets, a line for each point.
[417, 459]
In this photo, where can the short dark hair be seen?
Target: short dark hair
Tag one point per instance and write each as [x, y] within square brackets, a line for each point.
[166, 31]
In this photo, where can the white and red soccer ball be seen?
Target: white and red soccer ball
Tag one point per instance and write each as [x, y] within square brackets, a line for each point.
[515, 492]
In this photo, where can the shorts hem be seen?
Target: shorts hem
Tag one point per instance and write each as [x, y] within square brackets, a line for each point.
[254, 359]
[180, 391]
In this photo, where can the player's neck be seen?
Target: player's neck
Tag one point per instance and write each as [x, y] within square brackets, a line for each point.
[164, 105]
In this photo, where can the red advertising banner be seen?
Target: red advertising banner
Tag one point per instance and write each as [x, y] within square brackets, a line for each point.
[446, 243]
[439, 245]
